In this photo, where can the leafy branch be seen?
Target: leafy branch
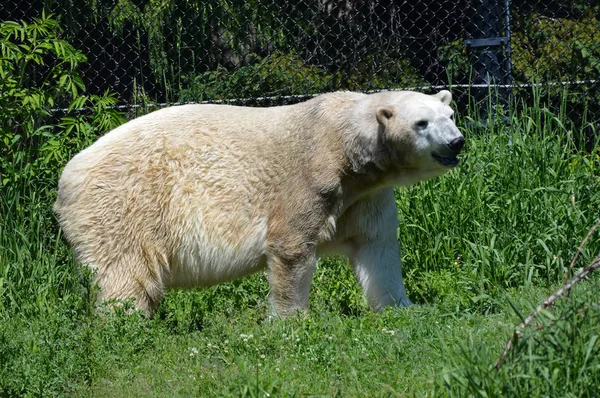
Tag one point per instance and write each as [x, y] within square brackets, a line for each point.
[38, 72]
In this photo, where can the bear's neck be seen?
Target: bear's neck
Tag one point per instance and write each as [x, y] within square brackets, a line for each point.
[372, 162]
[369, 157]
[366, 164]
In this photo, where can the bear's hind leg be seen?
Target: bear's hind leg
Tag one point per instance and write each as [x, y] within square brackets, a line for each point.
[144, 288]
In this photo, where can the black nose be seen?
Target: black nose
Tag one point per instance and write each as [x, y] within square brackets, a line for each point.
[457, 144]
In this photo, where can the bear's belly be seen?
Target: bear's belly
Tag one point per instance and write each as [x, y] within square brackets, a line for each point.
[206, 258]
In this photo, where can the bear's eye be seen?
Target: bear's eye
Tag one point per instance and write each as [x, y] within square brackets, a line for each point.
[422, 124]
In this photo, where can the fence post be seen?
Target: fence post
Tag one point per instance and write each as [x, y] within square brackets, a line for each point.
[490, 47]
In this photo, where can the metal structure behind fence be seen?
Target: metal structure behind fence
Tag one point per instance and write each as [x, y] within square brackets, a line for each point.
[263, 52]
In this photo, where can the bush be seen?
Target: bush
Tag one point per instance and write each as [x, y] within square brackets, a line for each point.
[283, 74]
[275, 75]
[38, 73]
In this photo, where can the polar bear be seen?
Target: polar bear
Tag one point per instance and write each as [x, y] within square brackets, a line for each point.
[196, 195]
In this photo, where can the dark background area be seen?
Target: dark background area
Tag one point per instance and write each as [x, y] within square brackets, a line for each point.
[262, 52]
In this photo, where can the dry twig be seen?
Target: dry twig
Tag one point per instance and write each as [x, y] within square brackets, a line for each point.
[579, 250]
[579, 311]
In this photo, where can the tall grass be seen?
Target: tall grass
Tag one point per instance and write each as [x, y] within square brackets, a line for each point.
[36, 268]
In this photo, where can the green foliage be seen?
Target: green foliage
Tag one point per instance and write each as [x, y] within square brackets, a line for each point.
[336, 288]
[367, 74]
[38, 72]
[275, 75]
[46, 356]
[553, 48]
[282, 74]
[185, 311]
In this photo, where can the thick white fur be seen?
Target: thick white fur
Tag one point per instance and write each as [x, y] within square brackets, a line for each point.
[196, 195]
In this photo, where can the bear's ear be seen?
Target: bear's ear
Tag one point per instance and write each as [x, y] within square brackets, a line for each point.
[384, 114]
[445, 96]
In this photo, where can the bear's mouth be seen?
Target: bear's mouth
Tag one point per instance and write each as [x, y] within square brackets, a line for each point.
[447, 161]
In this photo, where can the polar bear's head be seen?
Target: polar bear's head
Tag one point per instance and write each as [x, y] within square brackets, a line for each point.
[420, 130]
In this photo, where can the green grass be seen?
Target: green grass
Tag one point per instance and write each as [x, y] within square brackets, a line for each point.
[482, 246]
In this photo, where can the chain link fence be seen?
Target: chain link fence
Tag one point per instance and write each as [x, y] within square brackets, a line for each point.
[265, 52]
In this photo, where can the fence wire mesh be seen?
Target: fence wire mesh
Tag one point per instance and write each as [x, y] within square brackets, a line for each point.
[264, 52]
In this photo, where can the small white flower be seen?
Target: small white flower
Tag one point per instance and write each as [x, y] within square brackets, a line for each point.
[277, 370]
[262, 356]
[193, 352]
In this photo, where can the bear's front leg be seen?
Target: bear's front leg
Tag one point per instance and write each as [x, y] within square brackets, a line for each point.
[290, 276]
[378, 270]
[372, 225]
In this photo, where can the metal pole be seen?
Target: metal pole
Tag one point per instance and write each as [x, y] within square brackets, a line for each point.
[508, 48]
[491, 51]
